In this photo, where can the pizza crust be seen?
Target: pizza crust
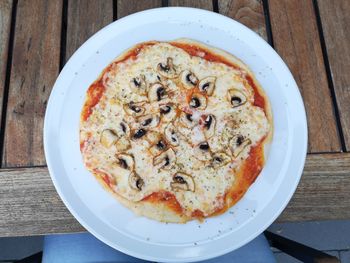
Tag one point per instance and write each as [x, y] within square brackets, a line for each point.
[161, 211]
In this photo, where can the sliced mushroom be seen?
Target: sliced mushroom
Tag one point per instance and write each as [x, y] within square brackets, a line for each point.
[134, 109]
[168, 112]
[137, 134]
[188, 79]
[165, 160]
[198, 101]
[236, 97]
[123, 129]
[138, 85]
[237, 144]
[209, 126]
[123, 144]
[207, 85]
[149, 121]
[153, 137]
[167, 70]
[202, 151]
[125, 161]
[158, 147]
[136, 182]
[171, 135]
[157, 92]
[108, 138]
[182, 181]
[220, 159]
[186, 120]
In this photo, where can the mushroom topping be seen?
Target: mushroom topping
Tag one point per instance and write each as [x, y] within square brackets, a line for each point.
[136, 182]
[134, 109]
[123, 129]
[122, 144]
[165, 160]
[220, 159]
[182, 181]
[125, 161]
[209, 126]
[198, 101]
[202, 151]
[167, 70]
[237, 144]
[149, 121]
[236, 97]
[153, 137]
[157, 92]
[138, 85]
[158, 147]
[171, 135]
[207, 85]
[188, 79]
[137, 134]
[108, 138]
[186, 120]
[167, 112]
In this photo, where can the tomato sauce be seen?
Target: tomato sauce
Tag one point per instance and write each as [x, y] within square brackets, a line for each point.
[197, 214]
[110, 181]
[259, 100]
[94, 95]
[166, 198]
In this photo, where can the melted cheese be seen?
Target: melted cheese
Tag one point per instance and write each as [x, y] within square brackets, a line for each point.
[211, 183]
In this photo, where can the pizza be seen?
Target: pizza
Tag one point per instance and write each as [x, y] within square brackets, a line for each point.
[175, 130]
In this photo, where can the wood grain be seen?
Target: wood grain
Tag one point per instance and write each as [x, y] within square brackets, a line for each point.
[248, 12]
[324, 190]
[296, 39]
[5, 25]
[127, 7]
[336, 29]
[84, 18]
[29, 204]
[202, 4]
[35, 65]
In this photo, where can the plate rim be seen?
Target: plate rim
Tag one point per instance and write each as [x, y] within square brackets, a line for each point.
[128, 250]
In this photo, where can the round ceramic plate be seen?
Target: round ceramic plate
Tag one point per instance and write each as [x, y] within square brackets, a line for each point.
[101, 214]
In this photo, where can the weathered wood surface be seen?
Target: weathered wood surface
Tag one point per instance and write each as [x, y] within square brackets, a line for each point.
[29, 204]
[202, 4]
[127, 7]
[84, 18]
[35, 66]
[336, 30]
[5, 25]
[248, 12]
[296, 39]
[324, 190]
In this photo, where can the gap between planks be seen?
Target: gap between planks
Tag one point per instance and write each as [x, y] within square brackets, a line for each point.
[29, 204]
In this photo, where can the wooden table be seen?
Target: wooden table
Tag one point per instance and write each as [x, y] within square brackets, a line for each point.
[37, 37]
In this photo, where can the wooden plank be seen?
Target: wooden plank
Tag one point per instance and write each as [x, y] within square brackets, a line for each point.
[336, 29]
[35, 65]
[29, 204]
[296, 39]
[324, 190]
[203, 4]
[84, 18]
[5, 25]
[127, 7]
[248, 12]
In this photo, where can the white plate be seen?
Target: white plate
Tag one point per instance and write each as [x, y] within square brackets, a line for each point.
[118, 227]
